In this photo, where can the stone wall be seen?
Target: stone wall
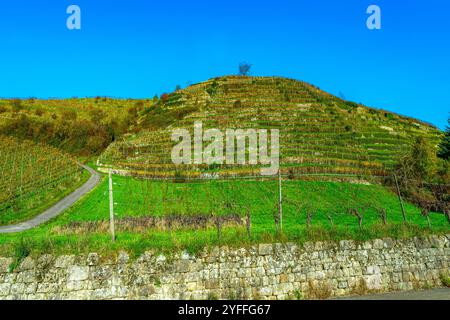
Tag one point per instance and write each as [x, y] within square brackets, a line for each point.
[279, 271]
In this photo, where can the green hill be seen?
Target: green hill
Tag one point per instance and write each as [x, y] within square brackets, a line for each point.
[319, 133]
[80, 126]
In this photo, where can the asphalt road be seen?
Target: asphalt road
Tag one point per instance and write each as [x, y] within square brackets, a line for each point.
[432, 294]
[58, 208]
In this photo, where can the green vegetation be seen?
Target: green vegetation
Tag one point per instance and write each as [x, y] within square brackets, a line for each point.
[319, 133]
[312, 210]
[337, 157]
[78, 126]
[21, 251]
[444, 146]
[445, 278]
[418, 171]
[33, 178]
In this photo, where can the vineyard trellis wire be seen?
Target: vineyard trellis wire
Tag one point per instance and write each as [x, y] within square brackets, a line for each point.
[214, 202]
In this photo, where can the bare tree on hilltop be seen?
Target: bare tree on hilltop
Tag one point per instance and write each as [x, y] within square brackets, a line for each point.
[244, 68]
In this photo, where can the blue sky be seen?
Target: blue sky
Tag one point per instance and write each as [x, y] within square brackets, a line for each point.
[138, 48]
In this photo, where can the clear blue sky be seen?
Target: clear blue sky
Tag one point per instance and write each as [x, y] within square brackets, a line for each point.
[138, 48]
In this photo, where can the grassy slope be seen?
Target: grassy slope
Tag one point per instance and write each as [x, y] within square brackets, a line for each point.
[328, 197]
[319, 133]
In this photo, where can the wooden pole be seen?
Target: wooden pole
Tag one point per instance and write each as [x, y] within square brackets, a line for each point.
[280, 201]
[400, 198]
[111, 208]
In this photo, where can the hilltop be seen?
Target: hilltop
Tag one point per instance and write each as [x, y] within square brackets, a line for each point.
[319, 133]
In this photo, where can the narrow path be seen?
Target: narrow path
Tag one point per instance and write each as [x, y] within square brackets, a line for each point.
[58, 208]
[431, 294]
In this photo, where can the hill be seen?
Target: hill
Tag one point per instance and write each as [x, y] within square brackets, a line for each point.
[80, 126]
[319, 133]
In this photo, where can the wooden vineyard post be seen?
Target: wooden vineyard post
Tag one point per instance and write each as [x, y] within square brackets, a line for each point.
[248, 223]
[400, 198]
[111, 207]
[280, 201]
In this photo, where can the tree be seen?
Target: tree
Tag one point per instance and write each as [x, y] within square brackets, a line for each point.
[164, 97]
[244, 68]
[420, 163]
[444, 146]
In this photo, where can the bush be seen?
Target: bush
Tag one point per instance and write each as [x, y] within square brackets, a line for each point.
[21, 251]
[16, 105]
[39, 112]
[419, 163]
[444, 146]
[212, 88]
[164, 97]
[445, 278]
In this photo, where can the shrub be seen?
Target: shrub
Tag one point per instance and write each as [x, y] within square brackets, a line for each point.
[444, 146]
[39, 112]
[212, 88]
[164, 97]
[16, 105]
[420, 162]
[445, 278]
[21, 251]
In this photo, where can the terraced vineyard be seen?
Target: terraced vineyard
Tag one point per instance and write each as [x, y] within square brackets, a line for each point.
[319, 133]
[32, 178]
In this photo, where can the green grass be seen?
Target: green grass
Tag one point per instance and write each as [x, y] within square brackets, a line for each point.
[138, 198]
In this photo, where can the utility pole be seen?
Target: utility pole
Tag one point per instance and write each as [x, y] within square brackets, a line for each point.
[111, 207]
[280, 201]
[400, 198]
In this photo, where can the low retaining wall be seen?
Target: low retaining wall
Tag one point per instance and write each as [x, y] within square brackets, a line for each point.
[265, 271]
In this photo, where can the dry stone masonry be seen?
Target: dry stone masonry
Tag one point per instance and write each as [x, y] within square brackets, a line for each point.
[265, 271]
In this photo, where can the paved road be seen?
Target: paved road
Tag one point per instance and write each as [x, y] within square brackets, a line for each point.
[58, 208]
[432, 294]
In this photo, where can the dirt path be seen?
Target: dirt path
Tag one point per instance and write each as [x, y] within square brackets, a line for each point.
[432, 294]
[58, 208]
